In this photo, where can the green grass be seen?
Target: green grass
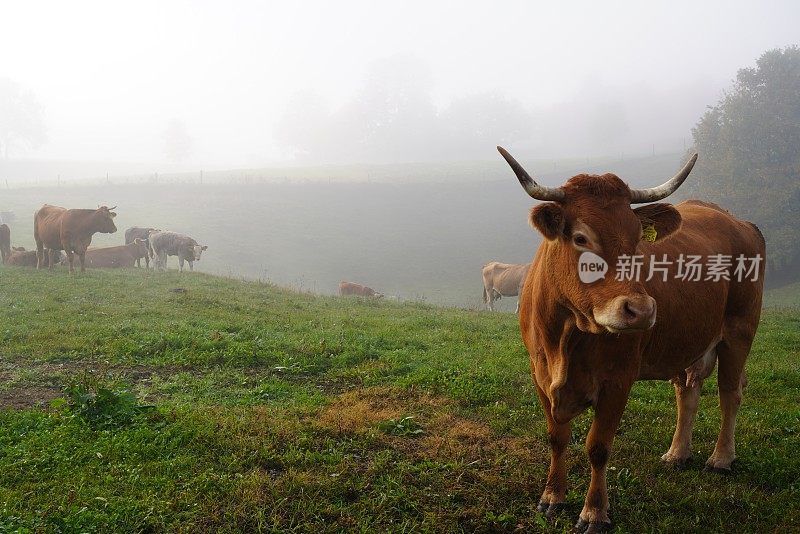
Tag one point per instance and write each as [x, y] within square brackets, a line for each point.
[280, 411]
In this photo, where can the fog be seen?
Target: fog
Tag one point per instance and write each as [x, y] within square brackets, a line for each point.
[147, 87]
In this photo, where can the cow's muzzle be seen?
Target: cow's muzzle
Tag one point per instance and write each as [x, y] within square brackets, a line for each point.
[627, 313]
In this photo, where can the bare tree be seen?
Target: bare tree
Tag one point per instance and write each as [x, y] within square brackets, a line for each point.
[21, 121]
[177, 142]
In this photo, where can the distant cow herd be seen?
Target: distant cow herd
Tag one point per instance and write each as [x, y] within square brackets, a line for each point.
[61, 234]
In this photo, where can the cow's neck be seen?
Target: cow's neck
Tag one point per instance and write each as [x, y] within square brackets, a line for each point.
[568, 348]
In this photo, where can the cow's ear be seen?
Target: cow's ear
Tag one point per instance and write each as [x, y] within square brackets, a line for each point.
[658, 220]
[548, 218]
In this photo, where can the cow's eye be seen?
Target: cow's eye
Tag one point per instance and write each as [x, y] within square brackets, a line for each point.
[580, 240]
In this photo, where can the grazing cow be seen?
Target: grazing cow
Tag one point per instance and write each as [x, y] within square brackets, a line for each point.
[591, 332]
[27, 258]
[70, 230]
[163, 244]
[121, 256]
[141, 233]
[5, 242]
[502, 280]
[349, 288]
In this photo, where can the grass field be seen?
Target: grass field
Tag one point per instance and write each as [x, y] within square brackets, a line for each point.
[257, 408]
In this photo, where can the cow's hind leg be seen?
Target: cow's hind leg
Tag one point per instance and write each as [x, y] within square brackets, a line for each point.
[733, 351]
[553, 498]
[687, 398]
[688, 385]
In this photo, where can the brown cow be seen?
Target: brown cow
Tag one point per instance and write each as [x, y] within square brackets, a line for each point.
[502, 280]
[27, 258]
[56, 228]
[589, 340]
[121, 256]
[5, 242]
[349, 288]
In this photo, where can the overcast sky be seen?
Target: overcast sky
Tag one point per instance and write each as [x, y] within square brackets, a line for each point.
[111, 76]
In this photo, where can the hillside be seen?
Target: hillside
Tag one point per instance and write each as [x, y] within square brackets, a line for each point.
[783, 297]
[267, 409]
[425, 240]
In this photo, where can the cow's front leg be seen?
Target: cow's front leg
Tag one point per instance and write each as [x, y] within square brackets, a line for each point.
[71, 259]
[608, 411]
[553, 498]
[82, 257]
[191, 265]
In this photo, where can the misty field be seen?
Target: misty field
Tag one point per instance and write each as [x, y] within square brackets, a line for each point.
[137, 402]
[421, 233]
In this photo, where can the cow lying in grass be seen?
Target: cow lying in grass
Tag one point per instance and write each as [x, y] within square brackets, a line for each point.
[349, 288]
[115, 257]
[27, 258]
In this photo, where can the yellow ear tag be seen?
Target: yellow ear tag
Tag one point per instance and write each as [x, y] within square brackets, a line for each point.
[650, 234]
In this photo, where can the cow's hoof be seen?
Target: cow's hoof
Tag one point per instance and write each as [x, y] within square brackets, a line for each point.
[711, 468]
[722, 466]
[592, 527]
[676, 462]
[543, 506]
[554, 509]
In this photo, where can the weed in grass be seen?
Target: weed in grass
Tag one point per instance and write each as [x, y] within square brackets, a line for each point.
[405, 426]
[100, 403]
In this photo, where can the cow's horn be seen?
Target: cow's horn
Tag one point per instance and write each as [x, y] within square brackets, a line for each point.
[539, 192]
[640, 196]
[109, 209]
